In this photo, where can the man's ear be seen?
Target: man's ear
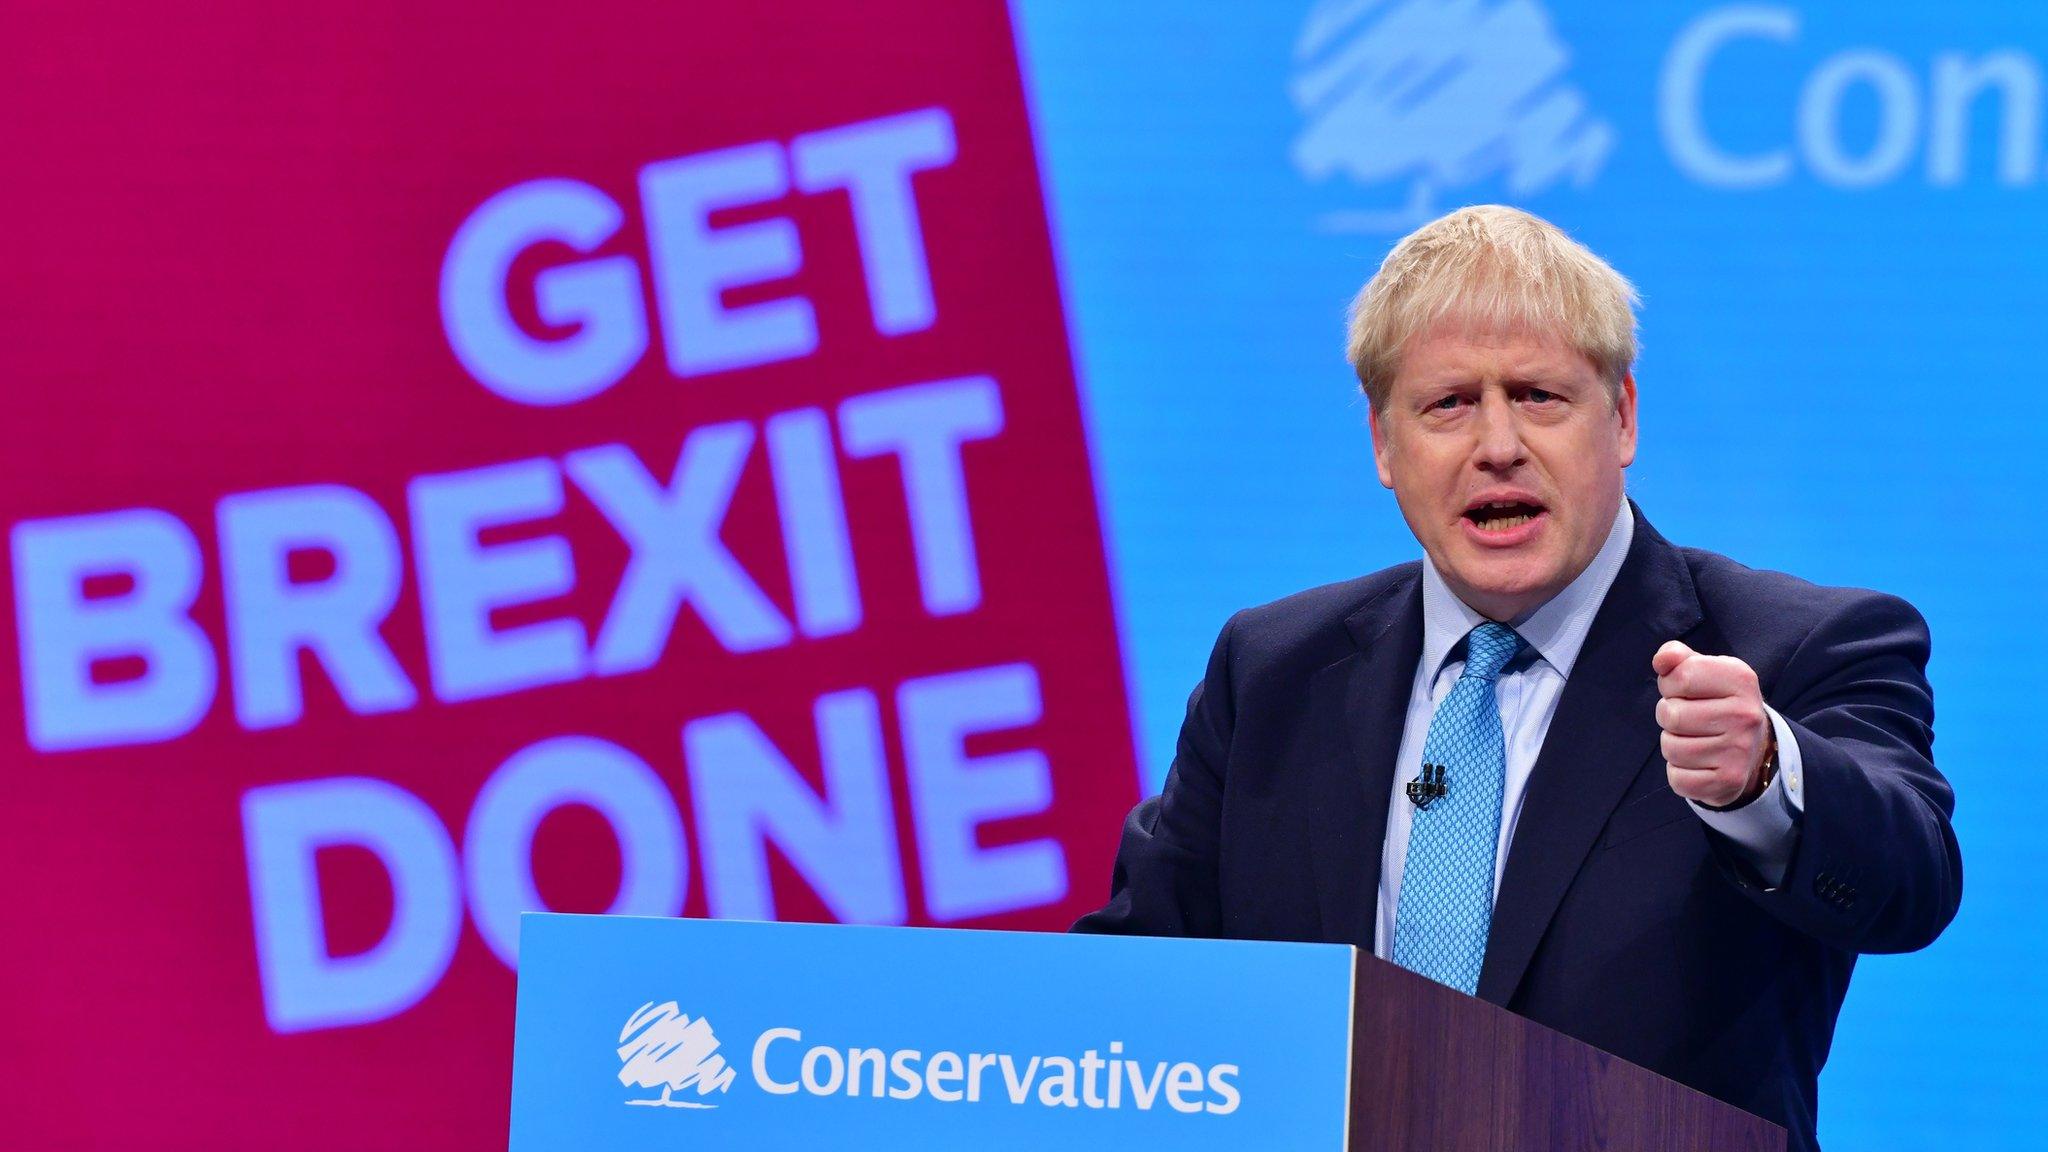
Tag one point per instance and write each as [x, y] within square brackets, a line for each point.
[1625, 411]
[1382, 450]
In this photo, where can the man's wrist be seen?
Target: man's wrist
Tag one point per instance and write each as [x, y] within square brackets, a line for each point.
[1760, 777]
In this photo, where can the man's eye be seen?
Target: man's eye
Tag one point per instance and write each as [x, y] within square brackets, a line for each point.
[1539, 396]
[1446, 403]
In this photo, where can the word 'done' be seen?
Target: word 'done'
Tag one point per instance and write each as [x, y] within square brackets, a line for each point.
[745, 794]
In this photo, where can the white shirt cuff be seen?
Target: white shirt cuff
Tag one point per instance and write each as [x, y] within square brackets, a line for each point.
[1766, 830]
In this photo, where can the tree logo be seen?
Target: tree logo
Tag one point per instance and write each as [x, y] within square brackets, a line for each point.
[1412, 97]
[663, 1048]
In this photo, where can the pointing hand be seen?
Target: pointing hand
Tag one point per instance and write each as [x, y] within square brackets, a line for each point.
[1715, 726]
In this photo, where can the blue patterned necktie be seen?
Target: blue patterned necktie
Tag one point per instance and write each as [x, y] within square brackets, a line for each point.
[1446, 900]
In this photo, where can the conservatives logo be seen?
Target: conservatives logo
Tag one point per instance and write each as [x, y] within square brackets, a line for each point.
[1411, 98]
[663, 1048]
[1418, 100]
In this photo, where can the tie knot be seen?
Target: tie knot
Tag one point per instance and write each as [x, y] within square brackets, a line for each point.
[1488, 649]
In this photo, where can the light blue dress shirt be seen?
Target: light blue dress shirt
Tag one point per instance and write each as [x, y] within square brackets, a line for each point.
[1765, 831]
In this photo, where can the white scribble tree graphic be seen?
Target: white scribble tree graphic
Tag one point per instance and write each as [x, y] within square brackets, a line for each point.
[663, 1048]
[1441, 93]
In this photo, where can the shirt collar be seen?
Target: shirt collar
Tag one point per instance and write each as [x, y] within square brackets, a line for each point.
[1555, 631]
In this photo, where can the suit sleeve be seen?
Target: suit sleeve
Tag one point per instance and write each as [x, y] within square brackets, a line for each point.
[1766, 830]
[1165, 881]
[1876, 867]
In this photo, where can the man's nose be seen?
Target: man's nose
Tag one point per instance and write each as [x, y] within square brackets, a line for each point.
[1499, 448]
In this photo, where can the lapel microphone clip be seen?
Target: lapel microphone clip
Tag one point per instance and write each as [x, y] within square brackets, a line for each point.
[1428, 787]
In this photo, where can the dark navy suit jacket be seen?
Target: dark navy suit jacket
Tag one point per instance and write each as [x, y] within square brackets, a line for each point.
[1621, 919]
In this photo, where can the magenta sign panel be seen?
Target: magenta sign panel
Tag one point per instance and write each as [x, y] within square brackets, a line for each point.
[460, 459]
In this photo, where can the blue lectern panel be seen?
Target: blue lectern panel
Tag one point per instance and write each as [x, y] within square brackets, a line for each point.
[640, 1032]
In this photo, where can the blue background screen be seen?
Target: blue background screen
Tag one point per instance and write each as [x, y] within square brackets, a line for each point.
[1834, 216]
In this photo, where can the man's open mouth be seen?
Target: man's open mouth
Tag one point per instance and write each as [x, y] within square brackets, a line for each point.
[1502, 515]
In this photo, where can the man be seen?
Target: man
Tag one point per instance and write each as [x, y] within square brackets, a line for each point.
[1639, 793]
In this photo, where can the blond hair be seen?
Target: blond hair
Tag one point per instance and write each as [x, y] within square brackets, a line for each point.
[1491, 268]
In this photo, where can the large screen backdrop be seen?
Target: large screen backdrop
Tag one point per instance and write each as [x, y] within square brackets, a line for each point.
[468, 458]
[1838, 218]
[623, 456]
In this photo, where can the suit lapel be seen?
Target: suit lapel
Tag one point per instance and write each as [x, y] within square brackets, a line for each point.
[1604, 729]
[1362, 703]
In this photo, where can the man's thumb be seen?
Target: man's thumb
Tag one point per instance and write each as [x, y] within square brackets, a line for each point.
[1670, 656]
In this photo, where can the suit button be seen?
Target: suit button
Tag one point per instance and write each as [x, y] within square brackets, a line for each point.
[1833, 891]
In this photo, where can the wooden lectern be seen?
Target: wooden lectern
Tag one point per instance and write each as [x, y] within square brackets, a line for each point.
[1432, 1068]
[650, 1032]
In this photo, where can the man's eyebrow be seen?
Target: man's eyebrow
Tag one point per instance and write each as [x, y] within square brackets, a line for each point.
[1448, 376]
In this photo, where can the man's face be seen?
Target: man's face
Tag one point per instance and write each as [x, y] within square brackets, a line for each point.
[1506, 456]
